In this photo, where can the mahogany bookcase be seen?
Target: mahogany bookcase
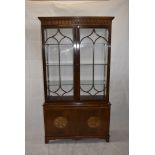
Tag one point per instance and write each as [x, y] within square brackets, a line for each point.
[76, 54]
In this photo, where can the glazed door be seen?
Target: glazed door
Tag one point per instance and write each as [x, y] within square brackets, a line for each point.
[76, 63]
[93, 49]
[58, 53]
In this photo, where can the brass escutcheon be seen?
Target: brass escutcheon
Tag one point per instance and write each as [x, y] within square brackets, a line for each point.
[60, 122]
[94, 122]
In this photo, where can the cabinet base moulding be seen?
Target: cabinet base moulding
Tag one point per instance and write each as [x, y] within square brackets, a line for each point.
[53, 139]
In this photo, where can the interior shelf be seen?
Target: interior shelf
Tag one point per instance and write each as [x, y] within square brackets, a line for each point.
[93, 64]
[81, 44]
[56, 83]
[89, 82]
[62, 64]
[59, 44]
[71, 64]
[70, 82]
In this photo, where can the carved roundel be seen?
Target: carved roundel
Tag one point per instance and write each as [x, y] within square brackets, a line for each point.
[94, 122]
[60, 122]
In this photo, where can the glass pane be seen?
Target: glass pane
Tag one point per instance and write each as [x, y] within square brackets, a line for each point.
[86, 79]
[93, 62]
[86, 51]
[100, 52]
[59, 61]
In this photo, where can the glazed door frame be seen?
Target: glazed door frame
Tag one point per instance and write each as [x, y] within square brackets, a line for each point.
[57, 98]
[76, 62]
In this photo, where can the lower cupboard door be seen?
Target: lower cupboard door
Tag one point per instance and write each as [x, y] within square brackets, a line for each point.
[60, 123]
[94, 122]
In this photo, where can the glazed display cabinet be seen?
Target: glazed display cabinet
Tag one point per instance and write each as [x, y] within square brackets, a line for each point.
[76, 55]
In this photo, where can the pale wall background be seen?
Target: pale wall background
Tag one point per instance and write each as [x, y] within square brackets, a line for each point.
[119, 75]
